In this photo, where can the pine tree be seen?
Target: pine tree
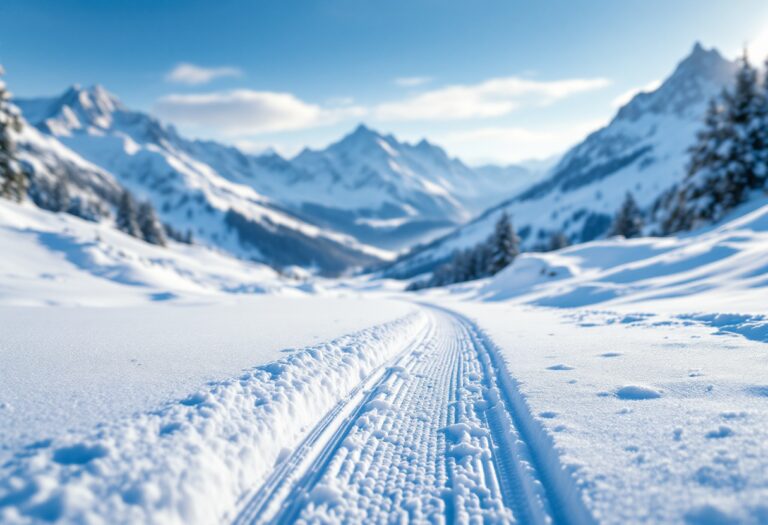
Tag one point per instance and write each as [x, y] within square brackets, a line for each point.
[729, 158]
[628, 221]
[481, 260]
[504, 245]
[151, 229]
[743, 137]
[13, 181]
[557, 241]
[126, 215]
[60, 198]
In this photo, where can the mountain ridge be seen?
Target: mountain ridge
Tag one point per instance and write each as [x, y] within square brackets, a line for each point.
[643, 149]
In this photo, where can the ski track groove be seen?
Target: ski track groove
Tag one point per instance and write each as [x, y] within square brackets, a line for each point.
[431, 438]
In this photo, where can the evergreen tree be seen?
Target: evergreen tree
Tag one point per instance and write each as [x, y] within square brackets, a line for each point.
[126, 215]
[729, 158]
[60, 198]
[504, 245]
[628, 221]
[481, 260]
[13, 181]
[151, 229]
[743, 137]
[557, 241]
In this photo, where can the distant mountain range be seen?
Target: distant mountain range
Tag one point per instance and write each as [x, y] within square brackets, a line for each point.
[642, 150]
[363, 199]
[350, 205]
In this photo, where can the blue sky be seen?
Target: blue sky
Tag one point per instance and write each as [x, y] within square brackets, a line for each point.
[489, 80]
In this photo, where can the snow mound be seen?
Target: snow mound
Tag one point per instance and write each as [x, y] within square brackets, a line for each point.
[637, 392]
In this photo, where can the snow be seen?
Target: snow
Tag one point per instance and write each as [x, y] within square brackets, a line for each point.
[58, 259]
[652, 421]
[643, 361]
[643, 150]
[621, 381]
[189, 460]
[616, 381]
[90, 128]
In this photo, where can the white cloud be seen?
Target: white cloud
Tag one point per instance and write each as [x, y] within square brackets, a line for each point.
[412, 81]
[244, 112]
[625, 97]
[491, 98]
[193, 75]
[502, 144]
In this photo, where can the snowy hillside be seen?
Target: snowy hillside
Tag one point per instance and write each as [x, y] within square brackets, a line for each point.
[642, 150]
[719, 268]
[58, 259]
[154, 163]
[653, 348]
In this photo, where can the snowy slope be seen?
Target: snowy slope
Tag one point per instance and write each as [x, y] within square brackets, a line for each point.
[720, 268]
[154, 162]
[642, 150]
[92, 190]
[642, 361]
[59, 259]
[190, 459]
[618, 381]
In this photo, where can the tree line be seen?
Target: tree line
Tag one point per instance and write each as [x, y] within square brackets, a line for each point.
[729, 159]
[138, 220]
[484, 259]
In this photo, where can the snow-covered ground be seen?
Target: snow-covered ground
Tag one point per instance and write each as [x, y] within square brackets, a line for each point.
[58, 259]
[619, 381]
[645, 363]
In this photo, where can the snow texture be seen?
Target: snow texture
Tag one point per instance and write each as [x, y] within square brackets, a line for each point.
[189, 461]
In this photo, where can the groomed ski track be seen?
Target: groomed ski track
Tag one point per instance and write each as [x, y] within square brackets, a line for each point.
[441, 435]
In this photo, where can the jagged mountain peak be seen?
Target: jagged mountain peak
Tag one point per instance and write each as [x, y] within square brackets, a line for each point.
[644, 149]
[90, 106]
[364, 138]
[689, 86]
[93, 110]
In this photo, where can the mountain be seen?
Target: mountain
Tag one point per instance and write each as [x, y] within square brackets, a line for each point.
[514, 178]
[348, 205]
[381, 191]
[155, 163]
[642, 150]
[385, 192]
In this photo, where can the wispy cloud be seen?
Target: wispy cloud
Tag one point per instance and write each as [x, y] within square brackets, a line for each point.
[628, 95]
[412, 81]
[491, 98]
[506, 144]
[194, 75]
[244, 111]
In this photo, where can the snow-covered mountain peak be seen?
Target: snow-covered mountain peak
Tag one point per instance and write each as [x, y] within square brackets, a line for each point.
[695, 79]
[643, 150]
[364, 140]
[94, 111]
[78, 108]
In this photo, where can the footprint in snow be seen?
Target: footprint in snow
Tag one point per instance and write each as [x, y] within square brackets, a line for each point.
[610, 354]
[79, 454]
[560, 367]
[720, 433]
[548, 415]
